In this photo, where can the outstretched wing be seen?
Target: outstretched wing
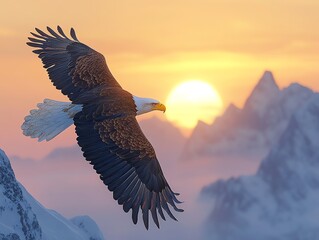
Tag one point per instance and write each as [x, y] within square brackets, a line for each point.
[125, 160]
[72, 66]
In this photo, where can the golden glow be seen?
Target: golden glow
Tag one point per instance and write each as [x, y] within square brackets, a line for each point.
[179, 39]
[192, 101]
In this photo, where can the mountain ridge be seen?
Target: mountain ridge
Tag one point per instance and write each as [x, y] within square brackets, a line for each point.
[279, 201]
[24, 218]
[254, 128]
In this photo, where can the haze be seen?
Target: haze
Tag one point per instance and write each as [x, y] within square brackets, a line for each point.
[150, 47]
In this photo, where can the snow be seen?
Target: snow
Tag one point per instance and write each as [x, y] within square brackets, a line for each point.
[254, 129]
[280, 200]
[87, 225]
[265, 92]
[16, 216]
[22, 217]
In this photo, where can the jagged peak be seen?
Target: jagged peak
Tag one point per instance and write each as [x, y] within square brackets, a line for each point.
[200, 128]
[267, 79]
[19, 217]
[4, 161]
[26, 218]
[296, 88]
[201, 125]
[231, 109]
[231, 112]
[300, 140]
[266, 83]
[2, 154]
[287, 180]
[263, 93]
[5, 165]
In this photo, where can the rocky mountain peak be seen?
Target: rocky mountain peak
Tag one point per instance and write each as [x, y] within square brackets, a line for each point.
[231, 110]
[298, 145]
[12, 203]
[24, 218]
[267, 79]
[255, 128]
[265, 92]
[281, 195]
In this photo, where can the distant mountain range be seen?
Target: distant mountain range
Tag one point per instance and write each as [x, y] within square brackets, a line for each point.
[253, 129]
[279, 202]
[24, 218]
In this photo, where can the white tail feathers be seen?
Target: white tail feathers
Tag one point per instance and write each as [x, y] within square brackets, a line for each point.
[52, 118]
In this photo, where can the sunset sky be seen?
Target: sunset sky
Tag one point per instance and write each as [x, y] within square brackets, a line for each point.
[152, 46]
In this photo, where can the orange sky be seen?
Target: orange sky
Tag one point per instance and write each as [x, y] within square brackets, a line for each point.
[151, 46]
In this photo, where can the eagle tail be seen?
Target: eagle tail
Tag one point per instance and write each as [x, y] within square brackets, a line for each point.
[50, 119]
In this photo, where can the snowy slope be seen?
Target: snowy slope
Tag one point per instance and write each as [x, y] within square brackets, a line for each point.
[22, 217]
[16, 217]
[280, 202]
[256, 127]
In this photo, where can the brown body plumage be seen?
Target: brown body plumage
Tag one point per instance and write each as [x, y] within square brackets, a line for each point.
[108, 133]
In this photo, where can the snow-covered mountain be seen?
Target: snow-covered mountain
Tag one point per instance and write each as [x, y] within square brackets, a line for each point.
[253, 129]
[24, 218]
[279, 202]
[66, 167]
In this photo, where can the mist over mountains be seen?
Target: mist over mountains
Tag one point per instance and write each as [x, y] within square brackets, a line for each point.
[280, 200]
[162, 135]
[244, 199]
[253, 129]
[24, 218]
[64, 171]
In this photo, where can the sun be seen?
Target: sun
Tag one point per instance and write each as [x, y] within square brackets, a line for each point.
[191, 101]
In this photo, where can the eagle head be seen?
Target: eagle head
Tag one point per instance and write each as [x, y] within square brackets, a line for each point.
[145, 105]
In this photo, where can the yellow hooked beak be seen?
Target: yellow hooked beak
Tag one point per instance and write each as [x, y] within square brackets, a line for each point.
[159, 106]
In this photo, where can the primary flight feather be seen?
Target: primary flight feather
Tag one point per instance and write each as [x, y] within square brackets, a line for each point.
[104, 117]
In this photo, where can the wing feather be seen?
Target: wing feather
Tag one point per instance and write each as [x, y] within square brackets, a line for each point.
[126, 162]
[73, 35]
[108, 133]
[72, 66]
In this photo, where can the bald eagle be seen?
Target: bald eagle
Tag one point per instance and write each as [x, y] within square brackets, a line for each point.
[104, 115]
